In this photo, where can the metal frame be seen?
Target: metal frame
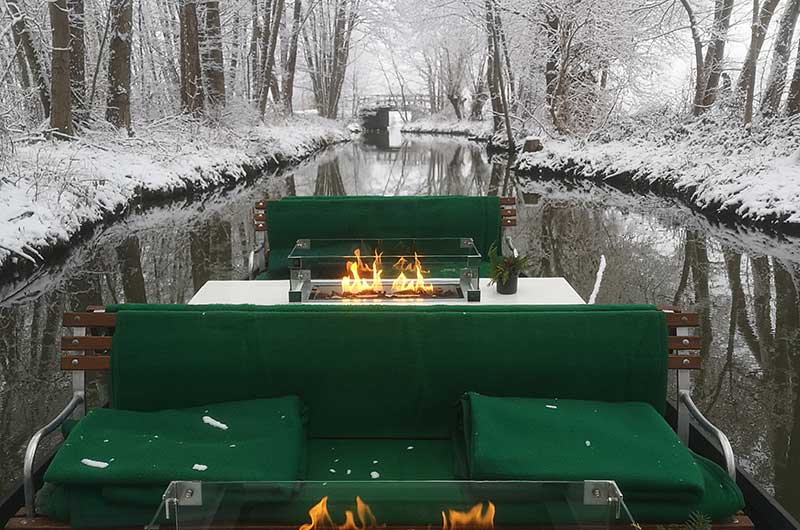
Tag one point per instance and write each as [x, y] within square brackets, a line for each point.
[78, 399]
[685, 399]
[683, 379]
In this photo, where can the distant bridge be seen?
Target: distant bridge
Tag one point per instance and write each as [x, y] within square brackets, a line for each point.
[373, 110]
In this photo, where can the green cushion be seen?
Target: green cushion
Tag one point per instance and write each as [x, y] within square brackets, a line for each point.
[264, 440]
[562, 439]
[87, 507]
[377, 218]
[399, 372]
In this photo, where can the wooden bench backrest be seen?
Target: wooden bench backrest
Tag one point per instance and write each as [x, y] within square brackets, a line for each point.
[99, 327]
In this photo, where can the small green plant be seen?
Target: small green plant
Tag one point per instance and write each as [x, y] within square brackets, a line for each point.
[502, 267]
[697, 521]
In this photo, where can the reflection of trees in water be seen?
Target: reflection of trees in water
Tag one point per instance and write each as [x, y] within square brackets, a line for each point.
[752, 321]
[329, 180]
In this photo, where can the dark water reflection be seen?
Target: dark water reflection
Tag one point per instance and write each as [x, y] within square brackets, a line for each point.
[745, 285]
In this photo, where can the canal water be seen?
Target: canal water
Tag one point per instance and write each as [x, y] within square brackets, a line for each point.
[744, 284]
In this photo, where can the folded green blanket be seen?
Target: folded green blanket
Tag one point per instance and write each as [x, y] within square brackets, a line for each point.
[572, 440]
[257, 440]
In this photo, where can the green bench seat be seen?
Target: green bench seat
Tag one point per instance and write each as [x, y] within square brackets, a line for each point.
[293, 218]
[377, 381]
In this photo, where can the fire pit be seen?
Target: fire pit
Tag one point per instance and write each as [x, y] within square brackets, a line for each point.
[384, 270]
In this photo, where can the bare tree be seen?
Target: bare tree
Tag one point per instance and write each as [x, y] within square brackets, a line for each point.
[268, 58]
[747, 78]
[191, 82]
[118, 103]
[712, 68]
[61, 103]
[212, 55]
[77, 63]
[327, 37]
[21, 33]
[776, 82]
[793, 101]
[291, 60]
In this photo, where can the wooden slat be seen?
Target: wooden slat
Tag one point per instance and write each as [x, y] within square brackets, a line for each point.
[683, 320]
[509, 221]
[684, 343]
[684, 362]
[90, 320]
[85, 343]
[260, 217]
[740, 522]
[508, 201]
[86, 362]
[508, 212]
[261, 205]
[261, 227]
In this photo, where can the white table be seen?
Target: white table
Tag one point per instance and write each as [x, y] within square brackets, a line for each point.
[532, 291]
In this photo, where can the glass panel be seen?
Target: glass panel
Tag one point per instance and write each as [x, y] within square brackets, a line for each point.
[404, 505]
[345, 270]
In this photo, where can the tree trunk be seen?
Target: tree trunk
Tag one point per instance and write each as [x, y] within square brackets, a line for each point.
[776, 82]
[118, 103]
[493, 72]
[22, 63]
[456, 102]
[77, 64]
[270, 44]
[22, 34]
[699, 83]
[793, 102]
[61, 104]
[747, 78]
[252, 86]
[716, 52]
[214, 62]
[191, 83]
[551, 66]
[291, 60]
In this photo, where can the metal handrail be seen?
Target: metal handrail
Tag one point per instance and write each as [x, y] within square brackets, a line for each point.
[727, 450]
[33, 445]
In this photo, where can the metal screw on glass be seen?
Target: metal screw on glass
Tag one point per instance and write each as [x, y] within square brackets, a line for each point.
[686, 362]
[685, 342]
[75, 362]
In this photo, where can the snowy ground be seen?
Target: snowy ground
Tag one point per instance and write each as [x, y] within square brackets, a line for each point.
[51, 190]
[445, 125]
[712, 163]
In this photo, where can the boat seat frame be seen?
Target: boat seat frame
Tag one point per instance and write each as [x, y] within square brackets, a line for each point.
[258, 259]
[88, 343]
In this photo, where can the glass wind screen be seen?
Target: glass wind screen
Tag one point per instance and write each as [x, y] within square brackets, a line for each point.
[460, 247]
[401, 505]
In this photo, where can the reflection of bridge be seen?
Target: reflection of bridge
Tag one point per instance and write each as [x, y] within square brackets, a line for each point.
[374, 109]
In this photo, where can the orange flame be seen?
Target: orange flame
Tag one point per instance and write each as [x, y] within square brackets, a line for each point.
[321, 518]
[355, 284]
[474, 518]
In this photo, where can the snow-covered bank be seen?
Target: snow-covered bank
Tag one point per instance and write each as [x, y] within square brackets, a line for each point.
[49, 191]
[712, 164]
[480, 130]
